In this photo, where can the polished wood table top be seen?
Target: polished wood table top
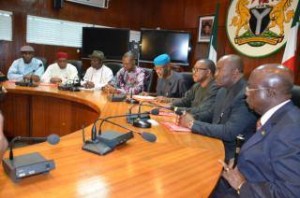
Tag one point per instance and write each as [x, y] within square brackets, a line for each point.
[176, 165]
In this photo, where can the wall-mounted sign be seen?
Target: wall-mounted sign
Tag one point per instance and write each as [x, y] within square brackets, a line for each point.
[258, 28]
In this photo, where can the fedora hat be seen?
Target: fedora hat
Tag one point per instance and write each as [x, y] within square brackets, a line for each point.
[97, 54]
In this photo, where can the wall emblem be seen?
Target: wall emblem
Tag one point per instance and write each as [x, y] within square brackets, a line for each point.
[257, 28]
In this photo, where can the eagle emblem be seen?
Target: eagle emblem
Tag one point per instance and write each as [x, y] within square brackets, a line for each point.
[259, 23]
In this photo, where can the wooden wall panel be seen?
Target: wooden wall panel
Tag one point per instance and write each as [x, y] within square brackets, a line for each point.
[134, 14]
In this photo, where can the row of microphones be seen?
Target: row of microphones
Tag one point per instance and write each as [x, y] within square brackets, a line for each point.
[104, 142]
[142, 122]
[29, 164]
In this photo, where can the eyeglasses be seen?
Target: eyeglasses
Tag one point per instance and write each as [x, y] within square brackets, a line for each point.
[255, 89]
[198, 69]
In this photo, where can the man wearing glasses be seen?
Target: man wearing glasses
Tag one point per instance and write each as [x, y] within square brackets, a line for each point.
[268, 164]
[231, 115]
[200, 99]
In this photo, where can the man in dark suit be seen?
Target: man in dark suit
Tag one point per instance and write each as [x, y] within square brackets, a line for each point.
[269, 162]
[231, 115]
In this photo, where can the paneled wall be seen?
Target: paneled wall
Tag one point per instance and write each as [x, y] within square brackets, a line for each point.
[133, 14]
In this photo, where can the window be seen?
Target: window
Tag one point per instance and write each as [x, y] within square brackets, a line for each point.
[5, 25]
[54, 32]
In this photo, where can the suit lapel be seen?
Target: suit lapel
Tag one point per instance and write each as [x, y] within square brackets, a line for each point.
[267, 127]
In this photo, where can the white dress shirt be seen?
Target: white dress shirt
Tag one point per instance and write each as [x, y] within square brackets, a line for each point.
[68, 74]
[264, 118]
[100, 77]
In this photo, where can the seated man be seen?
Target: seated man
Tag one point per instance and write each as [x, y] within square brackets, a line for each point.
[231, 116]
[268, 164]
[61, 71]
[98, 75]
[3, 141]
[170, 83]
[129, 79]
[26, 67]
[200, 99]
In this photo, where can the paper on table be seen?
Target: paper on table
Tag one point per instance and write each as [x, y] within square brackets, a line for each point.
[138, 97]
[173, 127]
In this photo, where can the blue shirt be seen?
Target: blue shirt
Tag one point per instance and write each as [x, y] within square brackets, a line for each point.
[19, 69]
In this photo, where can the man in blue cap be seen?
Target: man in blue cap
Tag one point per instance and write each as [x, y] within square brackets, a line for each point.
[170, 83]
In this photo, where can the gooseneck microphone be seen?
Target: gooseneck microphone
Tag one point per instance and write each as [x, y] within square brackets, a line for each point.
[26, 83]
[51, 139]
[103, 143]
[131, 100]
[29, 164]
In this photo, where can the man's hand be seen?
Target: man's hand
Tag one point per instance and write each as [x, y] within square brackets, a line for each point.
[35, 78]
[186, 120]
[109, 89]
[89, 85]
[162, 99]
[3, 141]
[55, 80]
[234, 177]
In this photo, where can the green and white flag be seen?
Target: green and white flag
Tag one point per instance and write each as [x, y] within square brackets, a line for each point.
[212, 53]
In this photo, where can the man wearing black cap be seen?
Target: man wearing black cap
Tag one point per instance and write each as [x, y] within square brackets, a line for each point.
[98, 75]
[26, 67]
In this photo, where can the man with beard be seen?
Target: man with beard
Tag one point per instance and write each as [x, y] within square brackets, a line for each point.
[26, 67]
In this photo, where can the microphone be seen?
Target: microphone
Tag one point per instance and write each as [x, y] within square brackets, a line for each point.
[51, 139]
[73, 86]
[131, 100]
[105, 142]
[25, 83]
[240, 139]
[174, 109]
[31, 84]
[30, 164]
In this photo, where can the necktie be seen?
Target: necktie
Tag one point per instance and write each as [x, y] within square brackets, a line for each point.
[258, 125]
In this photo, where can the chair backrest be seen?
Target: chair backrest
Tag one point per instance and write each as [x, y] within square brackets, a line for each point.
[148, 79]
[44, 61]
[296, 95]
[188, 78]
[114, 66]
[78, 65]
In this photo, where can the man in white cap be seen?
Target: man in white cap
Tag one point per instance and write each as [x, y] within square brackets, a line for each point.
[98, 75]
[27, 67]
[170, 84]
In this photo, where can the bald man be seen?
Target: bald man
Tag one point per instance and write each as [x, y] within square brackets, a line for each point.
[231, 115]
[200, 99]
[269, 163]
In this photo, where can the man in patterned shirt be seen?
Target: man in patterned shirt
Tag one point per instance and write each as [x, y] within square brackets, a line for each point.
[129, 79]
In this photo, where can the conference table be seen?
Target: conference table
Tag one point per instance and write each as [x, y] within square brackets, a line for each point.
[178, 164]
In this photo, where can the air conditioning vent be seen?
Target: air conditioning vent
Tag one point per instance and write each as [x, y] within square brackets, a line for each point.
[94, 3]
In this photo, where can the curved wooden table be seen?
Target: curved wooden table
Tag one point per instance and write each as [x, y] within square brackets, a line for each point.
[177, 165]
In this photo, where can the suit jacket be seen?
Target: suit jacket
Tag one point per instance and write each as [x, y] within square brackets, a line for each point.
[231, 117]
[270, 160]
[173, 87]
[199, 101]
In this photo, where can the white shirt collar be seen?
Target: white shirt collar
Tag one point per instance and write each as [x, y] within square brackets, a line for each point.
[264, 118]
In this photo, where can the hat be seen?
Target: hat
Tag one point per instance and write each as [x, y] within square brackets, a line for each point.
[161, 60]
[97, 54]
[60, 55]
[27, 48]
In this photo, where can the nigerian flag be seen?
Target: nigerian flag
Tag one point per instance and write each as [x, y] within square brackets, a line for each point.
[289, 56]
[212, 51]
